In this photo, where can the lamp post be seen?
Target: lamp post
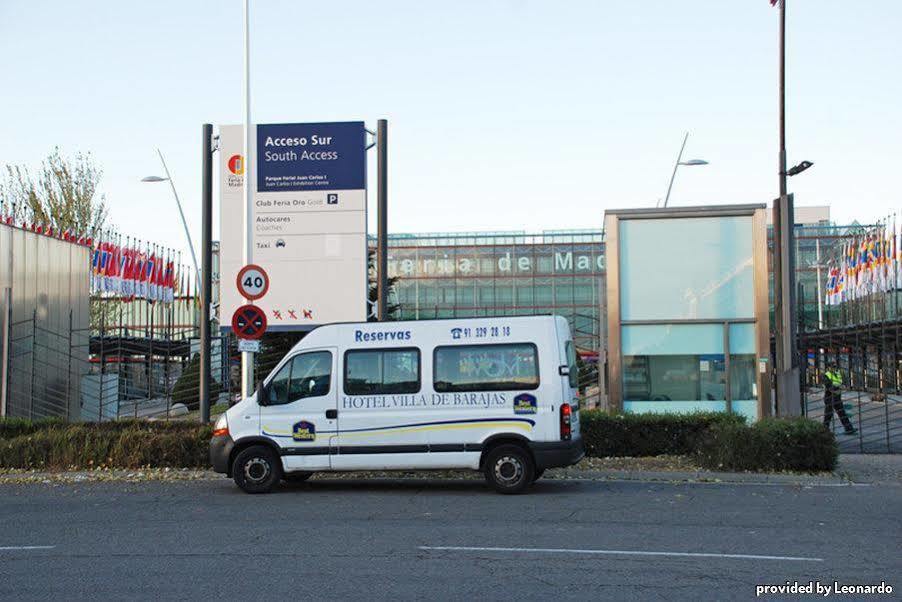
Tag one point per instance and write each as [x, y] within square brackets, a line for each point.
[679, 161]
[178, 203]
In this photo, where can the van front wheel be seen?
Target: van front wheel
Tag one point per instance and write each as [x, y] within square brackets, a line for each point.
[257, 469]
[509, 469]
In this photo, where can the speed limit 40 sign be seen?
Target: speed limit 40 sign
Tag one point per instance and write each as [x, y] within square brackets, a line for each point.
[252, 282]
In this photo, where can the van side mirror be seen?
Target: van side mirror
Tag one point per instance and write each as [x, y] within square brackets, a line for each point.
[261, 400]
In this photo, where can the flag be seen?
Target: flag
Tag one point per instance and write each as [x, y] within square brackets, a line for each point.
[831, 286]
[138, 274]
[169, 282]
[841, 286]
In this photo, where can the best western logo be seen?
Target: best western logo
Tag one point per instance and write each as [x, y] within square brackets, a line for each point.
[303, 431]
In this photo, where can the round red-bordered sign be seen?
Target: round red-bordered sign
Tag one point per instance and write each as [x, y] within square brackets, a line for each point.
[252, 282]
[249, 322]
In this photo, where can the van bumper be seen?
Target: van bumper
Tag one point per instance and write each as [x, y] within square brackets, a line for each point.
[221, 447]
[554, 454]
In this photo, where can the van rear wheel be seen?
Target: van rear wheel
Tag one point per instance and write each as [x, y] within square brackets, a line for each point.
[509, 469]
[257, 469]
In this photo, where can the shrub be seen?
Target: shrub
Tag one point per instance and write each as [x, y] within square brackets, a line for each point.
[187, 387]
[797, 444]
[606, 434]
[123, 444]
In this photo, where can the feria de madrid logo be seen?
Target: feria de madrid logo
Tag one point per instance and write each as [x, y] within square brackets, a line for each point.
[236, 165]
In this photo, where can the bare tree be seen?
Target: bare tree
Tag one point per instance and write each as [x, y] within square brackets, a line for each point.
[62, 195]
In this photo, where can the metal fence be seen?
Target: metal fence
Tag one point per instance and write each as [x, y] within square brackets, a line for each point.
[116, 371]
[868, 358]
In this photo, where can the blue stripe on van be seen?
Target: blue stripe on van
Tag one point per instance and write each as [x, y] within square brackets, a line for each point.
[416, 424]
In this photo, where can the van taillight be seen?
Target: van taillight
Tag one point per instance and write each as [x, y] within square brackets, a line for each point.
[566, 430]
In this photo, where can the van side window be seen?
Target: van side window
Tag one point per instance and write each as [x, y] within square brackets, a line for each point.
[382, 371]
[306, 375]
[507, 367]
[573, 365]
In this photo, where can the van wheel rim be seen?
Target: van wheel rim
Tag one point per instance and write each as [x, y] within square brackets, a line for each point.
[508, 470]
[256, 470]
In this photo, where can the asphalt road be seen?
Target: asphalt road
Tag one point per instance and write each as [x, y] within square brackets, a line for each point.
[340, 539]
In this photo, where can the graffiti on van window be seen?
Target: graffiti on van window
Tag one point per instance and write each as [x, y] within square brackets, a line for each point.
[482, 332]
[496, 365]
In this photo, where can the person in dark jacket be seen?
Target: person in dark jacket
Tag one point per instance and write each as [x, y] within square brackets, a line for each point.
[833, 400]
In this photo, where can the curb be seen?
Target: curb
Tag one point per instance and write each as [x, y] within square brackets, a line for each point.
[147, 475]
[707, 477]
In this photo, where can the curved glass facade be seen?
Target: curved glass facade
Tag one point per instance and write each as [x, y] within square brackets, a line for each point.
[501, 274]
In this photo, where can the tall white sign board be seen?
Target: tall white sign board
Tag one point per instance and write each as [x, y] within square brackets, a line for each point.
[309, 221]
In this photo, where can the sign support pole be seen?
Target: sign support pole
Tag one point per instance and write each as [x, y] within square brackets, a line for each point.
[247, 358]
[382, 224]
[206, 275]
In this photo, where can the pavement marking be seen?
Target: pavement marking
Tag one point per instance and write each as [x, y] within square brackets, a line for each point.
[620, 553]
[11, 548]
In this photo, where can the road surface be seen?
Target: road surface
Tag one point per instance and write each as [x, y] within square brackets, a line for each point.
[436, 540]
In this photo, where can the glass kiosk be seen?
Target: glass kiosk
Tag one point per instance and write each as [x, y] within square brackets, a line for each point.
[687, 310]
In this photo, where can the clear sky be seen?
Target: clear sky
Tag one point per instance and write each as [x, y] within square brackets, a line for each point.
[516, 114]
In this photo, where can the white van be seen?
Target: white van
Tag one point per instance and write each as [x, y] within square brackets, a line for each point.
[490, 394]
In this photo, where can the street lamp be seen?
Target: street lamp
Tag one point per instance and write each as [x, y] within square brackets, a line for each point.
[797, 169]
[679, 162]
[178, 203]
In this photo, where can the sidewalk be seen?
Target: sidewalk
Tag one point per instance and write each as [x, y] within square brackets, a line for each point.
[871, 468]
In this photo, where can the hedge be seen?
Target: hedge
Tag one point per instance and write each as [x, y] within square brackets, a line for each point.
[718, 441]
[607, 434]
[772, 444]
[122, 444]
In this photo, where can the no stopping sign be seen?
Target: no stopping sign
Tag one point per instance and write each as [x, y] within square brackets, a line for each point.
[252, 281]
[249, 322]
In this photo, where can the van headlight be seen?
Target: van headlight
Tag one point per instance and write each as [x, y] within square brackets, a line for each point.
[221, 427]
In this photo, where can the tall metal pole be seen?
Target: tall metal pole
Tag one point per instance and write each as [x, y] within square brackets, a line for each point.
[788, 396]
[178, 204]
[382, 227]
[675, 167]
[207, 279]
[247, 358]
[5, 335]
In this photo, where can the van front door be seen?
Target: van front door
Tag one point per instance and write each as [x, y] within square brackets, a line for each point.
[299, 409]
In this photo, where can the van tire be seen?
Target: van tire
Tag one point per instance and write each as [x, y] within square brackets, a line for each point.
[257, 469]
[297, 477]
[509, 469]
